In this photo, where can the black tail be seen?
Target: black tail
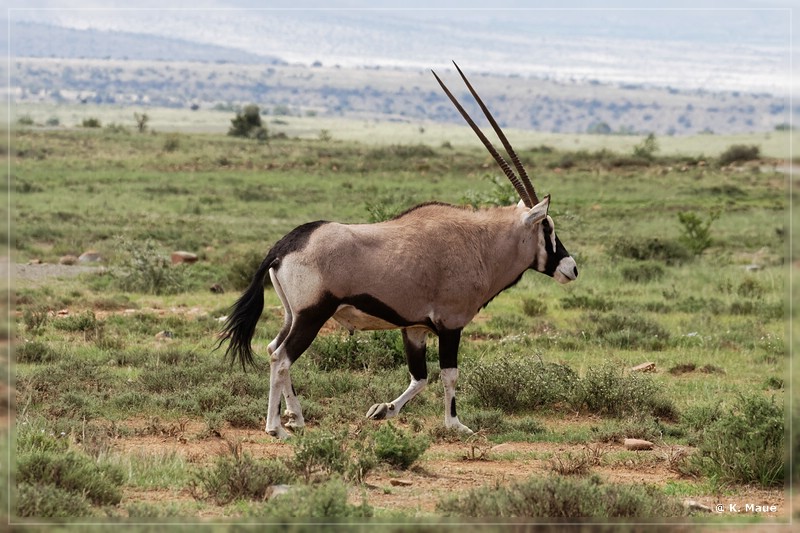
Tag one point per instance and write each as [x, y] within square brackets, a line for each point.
[243, 317]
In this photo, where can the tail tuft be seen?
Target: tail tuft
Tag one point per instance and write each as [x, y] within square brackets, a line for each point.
[242, 320]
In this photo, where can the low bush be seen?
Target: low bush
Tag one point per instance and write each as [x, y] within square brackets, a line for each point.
[144, 268]
[669, 251]
[642, 272]
[238, 476]
[36, 500]
[515, 384]
[627, 331]
[739, 153]
[398, 448]
[746, 444]
[322, 454]
[607, 390]
[327, 501]
[374, 350]
[72, 472]
[562, 497]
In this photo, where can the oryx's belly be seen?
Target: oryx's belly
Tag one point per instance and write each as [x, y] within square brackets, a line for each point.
[353, 319]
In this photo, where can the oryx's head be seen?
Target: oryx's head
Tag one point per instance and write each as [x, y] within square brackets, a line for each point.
[550, 257]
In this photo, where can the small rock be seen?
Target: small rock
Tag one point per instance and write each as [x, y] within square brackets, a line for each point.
[35, 261]
[164, 335]
[400, 482]
[277, 490]
[222, 318]
[752, 268]
[644, 367]
[68, 260]
[217, 288]
[693, 505]
[90, 256]
[638, 444]
[183, 257]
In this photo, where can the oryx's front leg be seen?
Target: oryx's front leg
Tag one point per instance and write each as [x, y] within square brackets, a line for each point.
[448, 362]
[414, 344]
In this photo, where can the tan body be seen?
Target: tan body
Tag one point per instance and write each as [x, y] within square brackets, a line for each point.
[429, 270]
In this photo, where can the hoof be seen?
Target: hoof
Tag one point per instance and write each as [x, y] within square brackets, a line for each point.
[381, 411]
[461, 428]
[279, 433]
[294, 421]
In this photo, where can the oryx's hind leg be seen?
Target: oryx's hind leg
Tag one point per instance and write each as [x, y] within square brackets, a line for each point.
[414, 344]
[293, 410]
[448, 362]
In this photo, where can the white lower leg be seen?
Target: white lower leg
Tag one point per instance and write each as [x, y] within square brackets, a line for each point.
[449, 377]
[278, 375]
[293, 409]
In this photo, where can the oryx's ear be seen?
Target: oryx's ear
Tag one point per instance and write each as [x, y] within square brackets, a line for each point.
[538, 212]
[521, 203]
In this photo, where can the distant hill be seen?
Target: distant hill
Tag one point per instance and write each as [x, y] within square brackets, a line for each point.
[30, 39]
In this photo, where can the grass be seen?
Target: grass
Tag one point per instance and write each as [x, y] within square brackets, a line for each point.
[539, 352]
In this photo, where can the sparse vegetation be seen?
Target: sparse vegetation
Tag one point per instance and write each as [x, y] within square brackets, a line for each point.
[102, 367]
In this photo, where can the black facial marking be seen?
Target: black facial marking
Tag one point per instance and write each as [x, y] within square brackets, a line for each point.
[453, 407]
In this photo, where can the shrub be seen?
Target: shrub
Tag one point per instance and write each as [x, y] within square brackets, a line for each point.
[25, 120]
[501, 193]
[643, 272]
[37, 500]
[143, 268]
[515, 384]
[72, 472]
[242, 269]
[323, 454]
[328, 501]
[247, 123]
[372, 350]
[671, 252]
[696, 232]
[746, 444]
[237, 476]
[534, 307]
[562, 497]
[628, 331]
[647, 148]
[172, 142]
[35, 352]
[737, 153]
[584, 301]
[608, 391]
[91, 122]
[84, 322]
[398, 448]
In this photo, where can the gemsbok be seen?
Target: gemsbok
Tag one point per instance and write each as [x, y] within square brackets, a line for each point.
[428, 270]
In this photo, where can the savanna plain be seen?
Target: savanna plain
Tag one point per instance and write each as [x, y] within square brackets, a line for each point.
[124, 412]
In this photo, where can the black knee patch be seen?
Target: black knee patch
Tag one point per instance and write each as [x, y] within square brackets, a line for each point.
[453, 407]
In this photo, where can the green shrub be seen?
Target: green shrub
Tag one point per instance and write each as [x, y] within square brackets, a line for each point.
[35, 352]
[587, 302]
[72, 472]
[628, 331]
[237, 476]
[36, 500]
[607, 390]
[397, 448]
[501, 193]
[91, 122]
[244, 415]
[515, 384]
[746, 444]
[562, 497]
[669, 251]
[373, 350]
[242, 269]
[85, 322]
[172, 142]
[327, 501]
[696, 231]
[737, 153]
[25, 120]
[321, 454]
[143, 268]
[247, 123]
[642, 272]
[534, 307]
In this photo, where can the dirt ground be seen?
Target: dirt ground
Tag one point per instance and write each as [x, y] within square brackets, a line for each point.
[445, 469]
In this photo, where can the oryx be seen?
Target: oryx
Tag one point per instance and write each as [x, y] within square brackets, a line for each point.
[428, 270]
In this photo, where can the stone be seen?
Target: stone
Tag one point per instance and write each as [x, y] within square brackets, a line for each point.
[90, 256]
[68, 260]
[693, 505]
[400, 483]
[164, 335]
[217, 289]
[644, 367]
[638, 444]
[180, 257]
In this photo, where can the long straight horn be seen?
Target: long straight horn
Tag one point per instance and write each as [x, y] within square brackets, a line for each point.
[521, 190]
[507, 145]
